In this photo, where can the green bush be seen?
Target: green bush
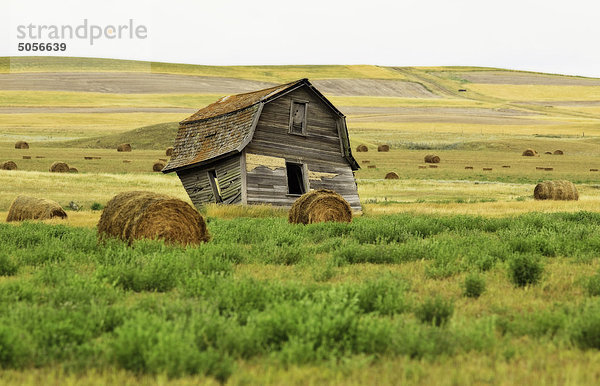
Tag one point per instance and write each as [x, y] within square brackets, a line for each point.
[96, 206]
[436, 311]
[525, 270]
[592, 285]
[473, 286]
[585, 331]
[8, 267]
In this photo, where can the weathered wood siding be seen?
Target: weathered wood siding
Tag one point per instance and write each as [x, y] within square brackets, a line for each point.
[197, 185]
[319, 149]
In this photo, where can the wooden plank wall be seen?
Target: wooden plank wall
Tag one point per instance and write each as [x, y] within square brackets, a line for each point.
[197, 185]
[319, 149]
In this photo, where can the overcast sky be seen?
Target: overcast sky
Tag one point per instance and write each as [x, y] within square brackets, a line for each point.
[539, 35]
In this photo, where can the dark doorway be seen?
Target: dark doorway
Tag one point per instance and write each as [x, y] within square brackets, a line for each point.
[295, 178]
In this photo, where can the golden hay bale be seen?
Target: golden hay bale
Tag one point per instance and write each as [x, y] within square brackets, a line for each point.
[40, 156]
[372, 167]
[469, 167]
[320, 206]
[126, 161]
[422, 166]
[158, 166]
[73, 170]
[124, 147]
[21, 145]
[506, 166]
[539, 168]
[31, 208]
[529, 153]
[59, 167]
[548, 152]
[26, 157]
[487, 169]
[146, 215]
[169, 152]
[432, 159]
[392, 176]
[88, 157]
[593, 170]
[362, 148]
[8, 165]
[366, 161]
[383, 148]
[433, 166]
[548, 169]
[556, 190]
[558, 152]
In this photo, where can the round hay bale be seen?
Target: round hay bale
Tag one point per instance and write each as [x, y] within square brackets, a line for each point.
[362, 148]
[320, 206]
[59, 167]
[146, 215]
[487, 169]
[432, 159]
[169, 152]
[21, 145]
[548, 152]
[593, 170]
[26, 157]
[8, 165]
[158, 166]
[529, 153]
[126, 161]
[556, 190]
[124, 147]
[372, 167]
[383, 148]
[433, 166]
[559, 152]
[31, 208]
[422, 166]
[392, 176]
[73, 170]
[469, 167]
[506, 166]
[366, 161]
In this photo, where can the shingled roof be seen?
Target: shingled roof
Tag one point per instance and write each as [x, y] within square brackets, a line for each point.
[226, 127]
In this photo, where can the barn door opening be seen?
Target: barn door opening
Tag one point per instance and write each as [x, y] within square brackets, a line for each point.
[295, 178]
[214, 184]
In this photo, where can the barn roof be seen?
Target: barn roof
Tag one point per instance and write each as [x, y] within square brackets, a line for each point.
[227, 126]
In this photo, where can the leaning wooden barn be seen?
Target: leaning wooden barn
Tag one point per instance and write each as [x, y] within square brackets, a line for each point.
[265, 147]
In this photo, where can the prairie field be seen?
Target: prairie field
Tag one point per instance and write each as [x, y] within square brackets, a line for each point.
[451, 275]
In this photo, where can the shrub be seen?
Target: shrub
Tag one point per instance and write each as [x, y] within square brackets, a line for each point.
[436, 311]
[585, 331]
[97, 206]
[592, 285]
[474, 286]
[525, 270]
[8, 267]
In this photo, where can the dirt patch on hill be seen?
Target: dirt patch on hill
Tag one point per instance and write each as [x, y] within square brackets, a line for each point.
[127, 83]
[373, 87]
[501, 77]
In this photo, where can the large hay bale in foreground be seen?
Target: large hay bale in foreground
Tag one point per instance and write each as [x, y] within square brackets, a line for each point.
[320, 206]
[124, 147]
[559, 152]
[146, 215]
[432, 159]
[8, 165]
[59, 167]
[383, 148]
[362, 148]
[31, 208]
[529, 153]
[21, 145]
[158, 166]
[556, 190]
[392, 176]
[169, 152]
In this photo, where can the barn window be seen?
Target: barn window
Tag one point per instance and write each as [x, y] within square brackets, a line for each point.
[298, 117]
[214, 184]
[295, 178]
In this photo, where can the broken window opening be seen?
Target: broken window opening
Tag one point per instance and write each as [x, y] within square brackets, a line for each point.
[214, 184]
[295, 178]
[298, 118]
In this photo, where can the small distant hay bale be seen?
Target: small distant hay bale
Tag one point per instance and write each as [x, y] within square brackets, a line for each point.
[8, 165]
[487, 169]
[432, 159]
[126, 161]
[96, 157]
[506, 166]
[124, 147]
[39, 156]
[559, 152]
[169, 152]
[320, 206]
[59, 167]
[392, 176]
[422, 166]
[548, 169]
[540, 167]
[548, 152]
[593, 170]
[88, 157]
[529, 153]
[469, 167]
[383, 148]
[31, 208]
[372, 167]
[366, 161]
[362, 148]
[433, 166]
[147, 215]
[21, 145]
[556, 190]
[26, 157]
[73, 170]
[158, 166]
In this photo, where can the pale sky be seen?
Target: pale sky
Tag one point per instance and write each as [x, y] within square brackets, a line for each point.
[537, 35]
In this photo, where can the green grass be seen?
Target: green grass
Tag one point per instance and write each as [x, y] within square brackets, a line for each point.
[298, 297]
